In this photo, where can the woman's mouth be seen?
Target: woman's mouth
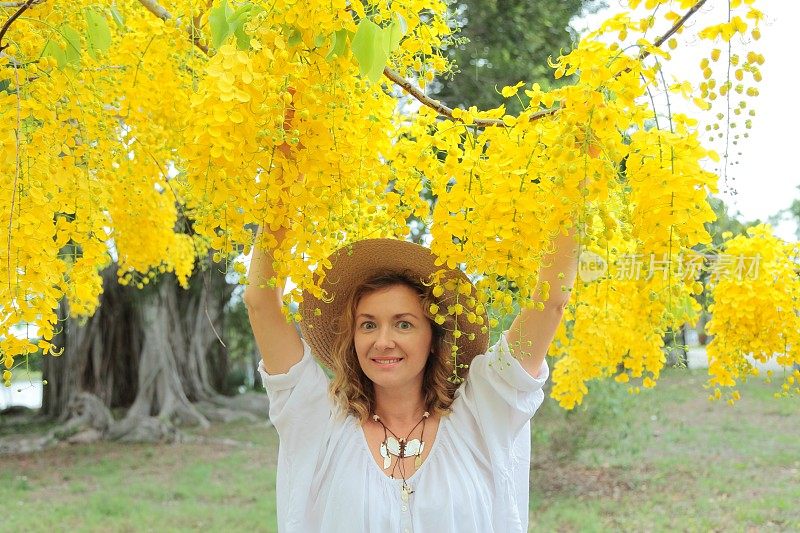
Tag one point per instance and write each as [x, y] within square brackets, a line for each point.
[387, 361]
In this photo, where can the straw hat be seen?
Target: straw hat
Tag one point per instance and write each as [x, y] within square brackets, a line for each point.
[354, 264]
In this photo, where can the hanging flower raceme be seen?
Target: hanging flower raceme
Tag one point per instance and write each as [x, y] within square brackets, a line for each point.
[755, 285]
[149, 135]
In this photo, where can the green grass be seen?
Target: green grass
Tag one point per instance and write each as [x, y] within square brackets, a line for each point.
[664, 460]
[136, 487]
[668, 459]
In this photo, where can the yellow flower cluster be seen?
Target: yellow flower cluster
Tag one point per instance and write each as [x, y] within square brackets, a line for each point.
[151, 143]
[615, 324]
[86, 149]
[755, 317]
[333, 187]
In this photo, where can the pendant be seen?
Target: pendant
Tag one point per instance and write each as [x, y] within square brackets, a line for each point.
[387, 460]
[418, 461]
[405, 492]
[402, 449]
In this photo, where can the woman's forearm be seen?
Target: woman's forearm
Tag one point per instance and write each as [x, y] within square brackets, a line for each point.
[530, 335]
[559, 269]
[258, 291]
[278, 341]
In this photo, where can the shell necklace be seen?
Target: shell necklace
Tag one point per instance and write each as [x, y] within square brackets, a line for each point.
[402, 448]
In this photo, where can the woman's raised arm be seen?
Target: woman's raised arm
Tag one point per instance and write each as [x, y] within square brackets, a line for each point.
[277, 339]
[533, 330]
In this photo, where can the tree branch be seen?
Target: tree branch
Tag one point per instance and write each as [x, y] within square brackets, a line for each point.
[23, 6]
[158, 10]
[154, 7]
[196, 19]
[19, 3]
[443, 110]
[675, 27]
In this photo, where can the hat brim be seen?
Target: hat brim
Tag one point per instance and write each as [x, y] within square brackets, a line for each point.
[355, 263]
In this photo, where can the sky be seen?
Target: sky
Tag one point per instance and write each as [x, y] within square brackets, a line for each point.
[766, 177]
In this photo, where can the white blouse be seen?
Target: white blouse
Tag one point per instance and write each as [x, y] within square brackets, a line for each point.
[475, 478]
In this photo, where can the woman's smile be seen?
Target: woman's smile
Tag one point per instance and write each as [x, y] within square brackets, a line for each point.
[387, 362]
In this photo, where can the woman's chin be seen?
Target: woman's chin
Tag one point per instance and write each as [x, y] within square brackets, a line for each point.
[395, 377]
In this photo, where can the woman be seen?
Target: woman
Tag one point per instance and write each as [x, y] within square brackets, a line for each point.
[389, 444]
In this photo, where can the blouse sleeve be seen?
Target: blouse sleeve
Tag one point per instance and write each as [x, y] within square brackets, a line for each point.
[300, 409]
[492, 412]
[500, 395]
[299, 404]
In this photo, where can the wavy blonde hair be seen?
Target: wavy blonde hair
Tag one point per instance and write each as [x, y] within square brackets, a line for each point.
[352, 390]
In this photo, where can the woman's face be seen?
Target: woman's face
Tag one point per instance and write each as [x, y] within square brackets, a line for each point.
[392, 337]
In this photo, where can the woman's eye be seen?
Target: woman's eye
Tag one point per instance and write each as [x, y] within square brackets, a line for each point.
[367, 325]
[404, 324]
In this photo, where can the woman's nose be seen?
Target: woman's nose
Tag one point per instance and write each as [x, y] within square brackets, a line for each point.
[384, 339]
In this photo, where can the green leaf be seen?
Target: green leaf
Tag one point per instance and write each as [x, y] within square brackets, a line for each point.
[338, 44]
[370, 47]
[402, 22]
[232, 15]
[236, 21]
[117, 16]
[4, 85]
[52, 49]
[218, 20]
[242, 39]
[395, 34]
[98, 34]
[72, 39]
[364, 44]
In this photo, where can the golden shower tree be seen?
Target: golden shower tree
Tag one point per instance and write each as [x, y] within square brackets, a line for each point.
[125, 123]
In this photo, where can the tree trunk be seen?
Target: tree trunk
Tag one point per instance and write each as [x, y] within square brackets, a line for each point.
[160, 391]
[100, 355]
[153, 354]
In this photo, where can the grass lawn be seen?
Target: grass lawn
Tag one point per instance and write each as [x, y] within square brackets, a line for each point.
[668, 460]
[664, 460]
